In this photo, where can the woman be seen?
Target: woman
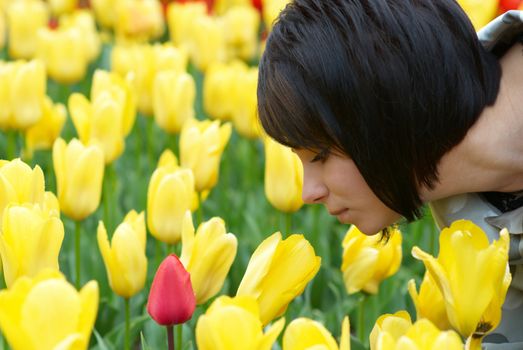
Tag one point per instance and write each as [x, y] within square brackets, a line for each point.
[391, 104]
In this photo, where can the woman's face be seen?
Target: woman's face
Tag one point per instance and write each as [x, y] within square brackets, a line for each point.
[333, 180]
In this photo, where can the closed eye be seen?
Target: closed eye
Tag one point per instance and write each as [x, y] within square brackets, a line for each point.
[321, 156]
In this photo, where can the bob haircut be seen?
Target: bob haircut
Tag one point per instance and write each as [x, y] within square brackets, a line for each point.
[393, 84]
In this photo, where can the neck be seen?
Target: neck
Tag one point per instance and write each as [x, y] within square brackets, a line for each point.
[490, 157]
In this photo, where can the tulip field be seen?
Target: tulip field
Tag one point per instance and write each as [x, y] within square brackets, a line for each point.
[128, 133]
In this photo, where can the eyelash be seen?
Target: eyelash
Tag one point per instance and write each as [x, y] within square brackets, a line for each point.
[321, 156]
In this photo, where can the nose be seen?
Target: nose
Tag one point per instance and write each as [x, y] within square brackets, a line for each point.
[314, 190]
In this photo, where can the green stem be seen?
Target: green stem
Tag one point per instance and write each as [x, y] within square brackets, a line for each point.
[11, 144]
[150, 136]
[179, 336]
[361, 319]
[288, 224]
[78, 227]
[127, 324]
[158, 253]
[170, 337]
[200, 209]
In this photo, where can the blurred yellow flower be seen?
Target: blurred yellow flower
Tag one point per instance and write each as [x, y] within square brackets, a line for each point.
[174, 94]
[278, 271]
[283, 177]
[241, 24]
[480, 12]
[125, 259]
[303, 333]
[119, 88]
[60, 7]
[220, 88]
[201, 147]
[143, 62]
[48, 313]
[83, 20]
[24, 19]
[234, 324]
[30, 240]
[396, 332]
[170, 194]
[429, 302]
[19, 184]
[3, 29]
[271, 10]
[221, 6]
[207, 256]
[64, 52]
[467, 262]
[79, 173]
[139, 20]
[101, 121]
[209, 45]
[22, 94]
[180, 18]
[368, 260]
[105, 11]
[245, 110]
[43, 134]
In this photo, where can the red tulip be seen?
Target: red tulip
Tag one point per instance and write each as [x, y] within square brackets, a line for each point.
[506, 5]
[171, 299]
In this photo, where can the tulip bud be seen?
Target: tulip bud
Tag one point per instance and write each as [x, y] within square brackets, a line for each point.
[277, 272]
[209, 42]
[46, 312]
[83, 20]
[43, 134]
[124, 258]
[201, 147]
[219, 327]
[79, 173]
[241, 31]
[173, 99]
[283, 177]
[180, 18]
[105, 11]
[60, 7]
[170, 194]
[171, 299]
[100, 122]
[24, 19]
[30, 241]
[245, 110]
[139, 20]
[467, 262]
[207, 256]
[303, 333]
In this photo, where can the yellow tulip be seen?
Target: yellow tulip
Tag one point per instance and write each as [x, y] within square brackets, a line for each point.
[220, 88]
[283, 177]
[48, 313]
[124, 258]
[180, 18]
[20, 184]
[22, 94]
[170, 194]
[174, 94]
[271, 10]
[79, 173]
[396, 332]
[105, 11]
[201, 147]
[277, 272]
[207, 256]
[83, 20]
[48, 128]
[24, 19]
[480, 12]
[139, 20]
[303, 333]
[234, 324]
[245, 110]
[368, 260]
[30, 241]
[100, 122]
[465, 265]
[429, 302]
[209, 45]
[144, 62]
[242, 24]
[119, 88]
[3, 29]
[64, 52]
[221, 7]
[60, 7]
